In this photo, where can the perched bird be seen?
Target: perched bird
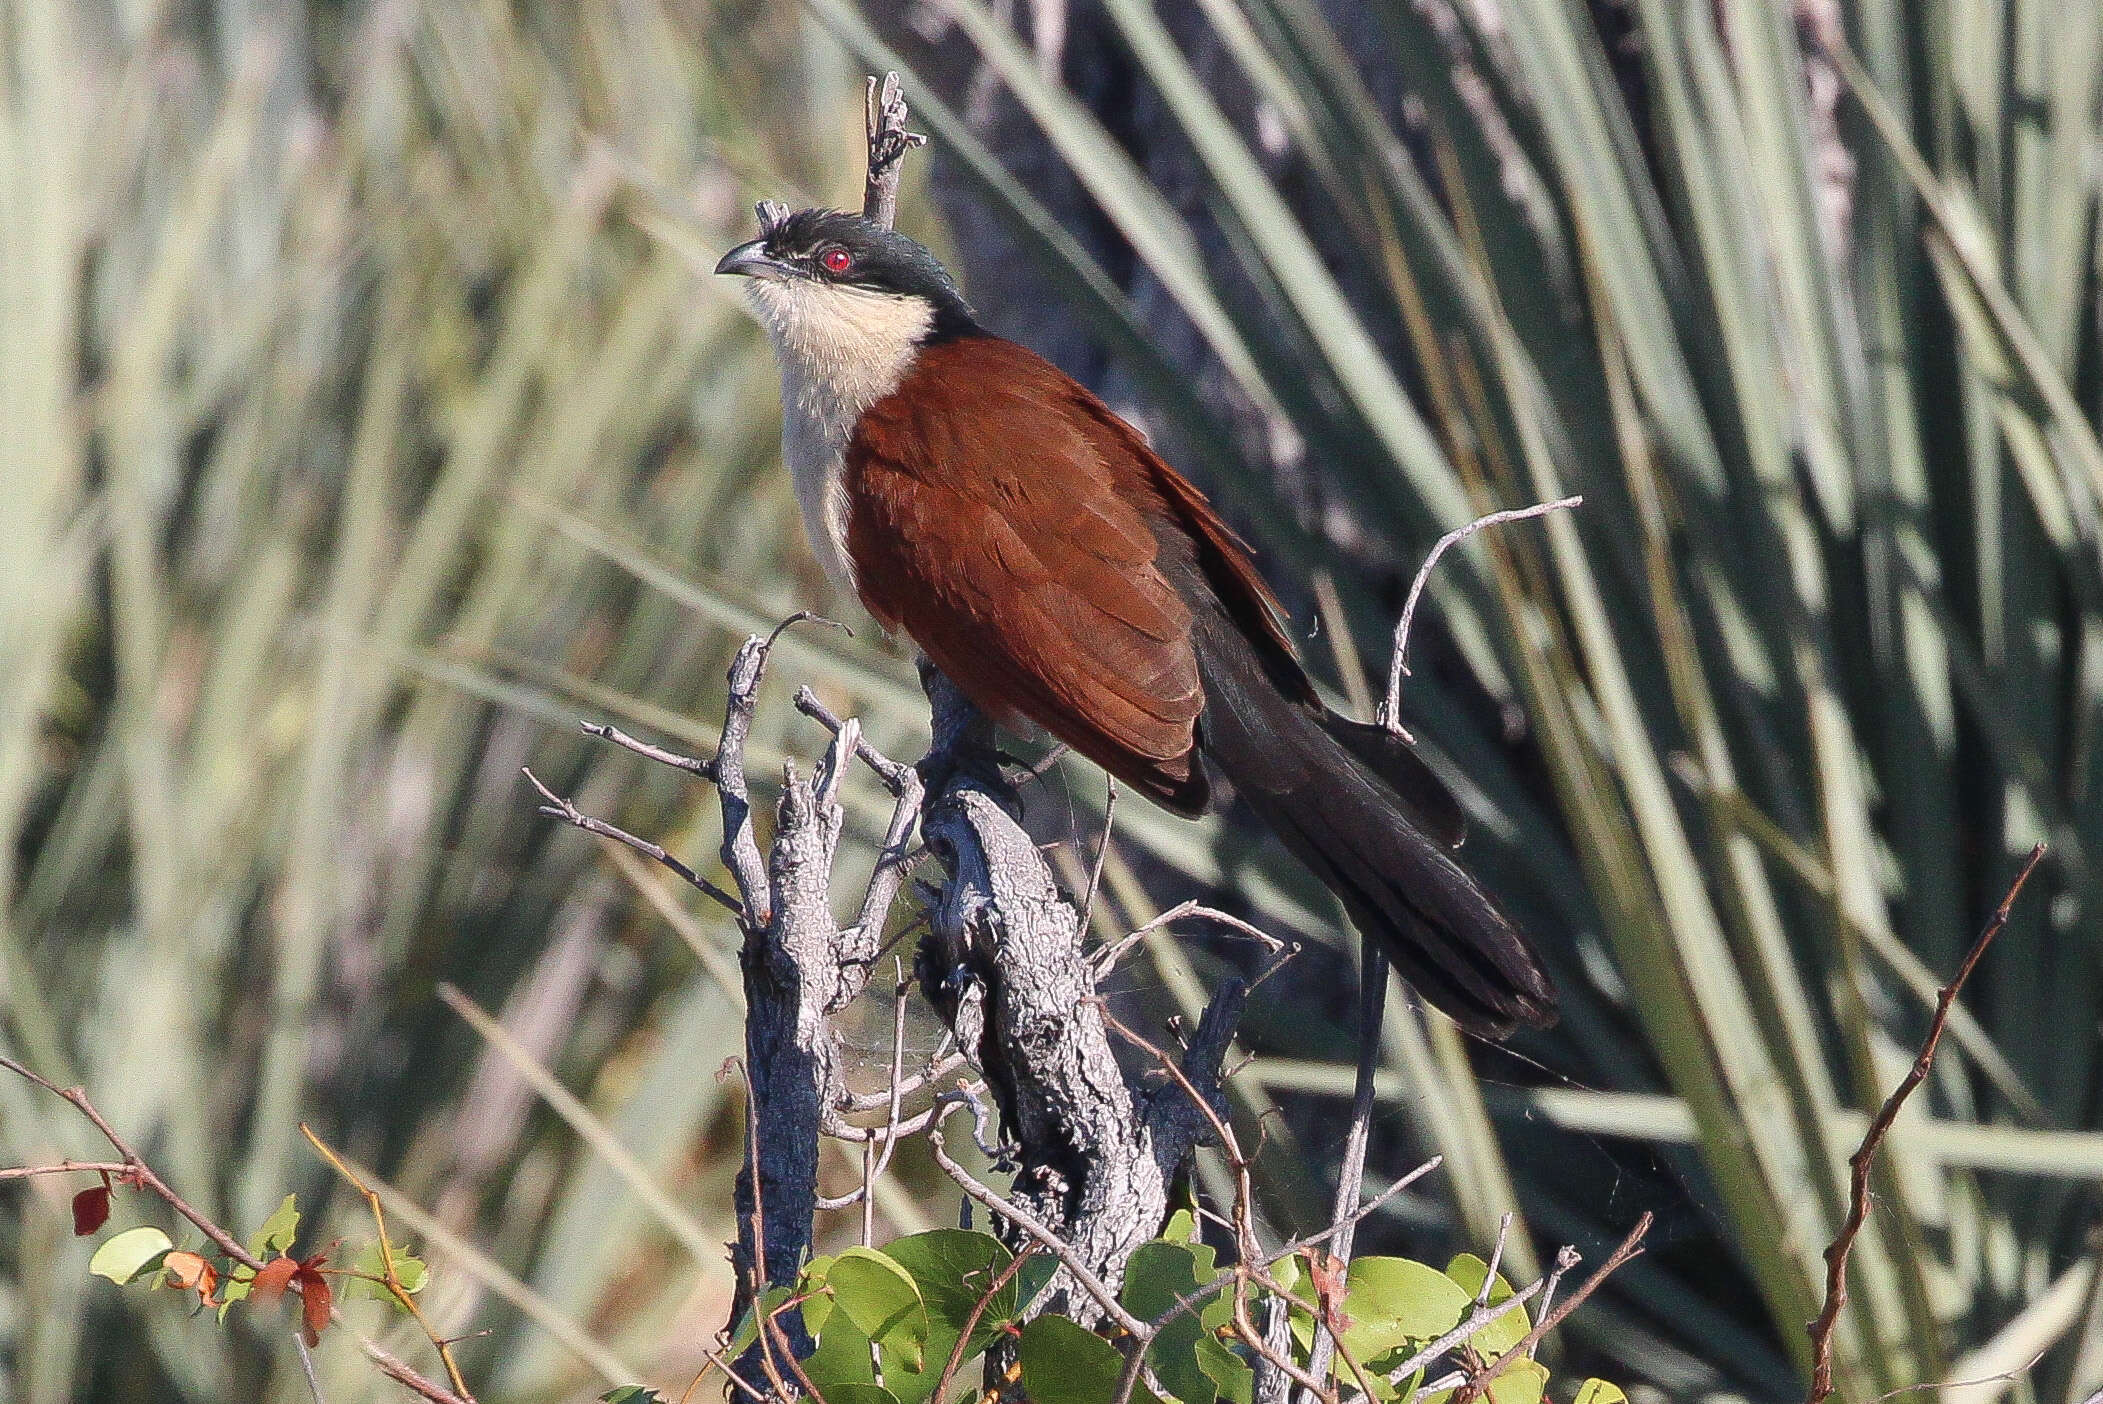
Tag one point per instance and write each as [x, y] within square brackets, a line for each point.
[1059, 572]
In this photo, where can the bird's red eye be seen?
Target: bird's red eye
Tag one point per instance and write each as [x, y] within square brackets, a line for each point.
[836, 260]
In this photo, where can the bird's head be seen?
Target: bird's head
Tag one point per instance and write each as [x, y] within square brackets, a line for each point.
[835, 290]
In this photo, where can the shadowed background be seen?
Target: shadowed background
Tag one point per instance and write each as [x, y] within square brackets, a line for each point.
[368, 420]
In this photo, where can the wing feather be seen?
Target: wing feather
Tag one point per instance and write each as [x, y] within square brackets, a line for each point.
[997, 527]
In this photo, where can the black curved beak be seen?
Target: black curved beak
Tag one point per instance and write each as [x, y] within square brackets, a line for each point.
[752, 261]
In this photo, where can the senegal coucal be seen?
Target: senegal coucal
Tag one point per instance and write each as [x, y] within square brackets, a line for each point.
[1047, 560]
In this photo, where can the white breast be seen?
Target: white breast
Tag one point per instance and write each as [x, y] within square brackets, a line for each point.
[841, 349]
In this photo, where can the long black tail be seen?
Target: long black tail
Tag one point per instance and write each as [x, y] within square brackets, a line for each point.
[1365, 815]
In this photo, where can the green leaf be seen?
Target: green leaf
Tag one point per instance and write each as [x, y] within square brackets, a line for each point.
[858, 1394]
[1394, 1302]
[952, 1269]
[748, 1324]
[1523, 1382]
[882, 1300]
[277, 1232]
[124, 1256]
[1507, 1330]
[842, 1359]
[1034, 1276]
[1230, 1375]
[1063, 1364]
[409, 1270]
[817, 1305]
[1158, 1275]
[1597, 1391]
[1182, 1227]
[631, 1394]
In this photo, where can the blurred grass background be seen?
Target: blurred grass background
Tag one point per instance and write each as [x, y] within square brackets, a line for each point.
[366, 422]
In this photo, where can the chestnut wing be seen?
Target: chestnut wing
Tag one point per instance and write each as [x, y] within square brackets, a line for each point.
[993, 519]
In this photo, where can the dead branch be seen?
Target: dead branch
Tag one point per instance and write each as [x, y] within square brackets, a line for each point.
[889, 141]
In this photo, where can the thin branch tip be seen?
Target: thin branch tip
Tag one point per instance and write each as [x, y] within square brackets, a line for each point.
[1390, 712]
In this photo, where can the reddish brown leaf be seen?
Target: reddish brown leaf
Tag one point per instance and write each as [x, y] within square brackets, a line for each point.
[1331, 1282]
[91, 1210]
[273, 1278]
[314, 1298]
[191, 1272]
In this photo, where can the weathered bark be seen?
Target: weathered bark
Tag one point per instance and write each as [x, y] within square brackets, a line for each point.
[1005, 965]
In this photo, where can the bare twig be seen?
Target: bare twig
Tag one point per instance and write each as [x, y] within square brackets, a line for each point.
[389, 1278]
[1390, 715]
[1565, 1259]
[1110, 955]
[1629, 1247]
[1365, 1210]
[1350, 1174]
[2000, 1377]
[1481, 1315]
[740, 849]
[1102, 856]
[895, 859]
[136, 1166]
[1489, 1276]
[705, 769]
[306, 1367]
[65, 1167]
[1021, 1218]
[978, 1309]
[1821, 1329]
[717, 1362]
[1373, 964]
[406, 1376]
[557, 807]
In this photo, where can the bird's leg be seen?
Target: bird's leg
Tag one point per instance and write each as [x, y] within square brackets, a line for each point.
[964, 747]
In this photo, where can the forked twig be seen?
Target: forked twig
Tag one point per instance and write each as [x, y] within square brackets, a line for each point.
[557, 807]
[1630, 1246]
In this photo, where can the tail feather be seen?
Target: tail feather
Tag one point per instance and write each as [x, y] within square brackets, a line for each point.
[1372, 822]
